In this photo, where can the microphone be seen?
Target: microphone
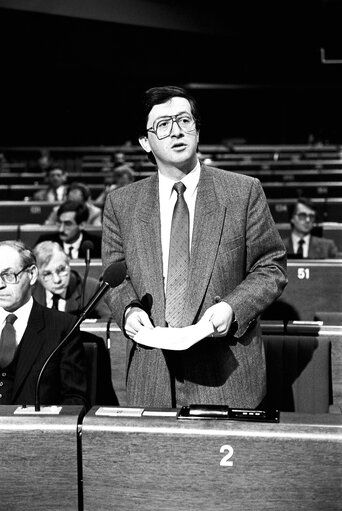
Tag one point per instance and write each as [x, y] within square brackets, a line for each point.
[112, 277]
[87, 246]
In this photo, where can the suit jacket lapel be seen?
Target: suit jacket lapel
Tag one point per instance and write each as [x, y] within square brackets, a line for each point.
[148, 243]
[30, 346]
[208, 224]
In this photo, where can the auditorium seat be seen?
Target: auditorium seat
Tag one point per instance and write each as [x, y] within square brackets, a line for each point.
[99, 377]
[298, 373]
[90, 349]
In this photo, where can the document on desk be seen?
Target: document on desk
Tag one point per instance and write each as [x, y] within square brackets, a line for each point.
[176, 339]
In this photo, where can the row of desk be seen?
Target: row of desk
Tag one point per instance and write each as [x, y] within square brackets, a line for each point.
[323, 188]
[146, 460]
[29, 233]
[314, 286]
[36, 212]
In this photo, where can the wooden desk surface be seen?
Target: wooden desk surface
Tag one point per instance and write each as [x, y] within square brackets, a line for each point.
[39, 460]
[163, 464]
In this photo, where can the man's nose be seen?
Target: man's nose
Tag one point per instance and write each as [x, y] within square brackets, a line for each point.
[55, 277]
[175, 130]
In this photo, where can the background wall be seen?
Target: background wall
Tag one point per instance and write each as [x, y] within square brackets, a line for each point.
[72, 72]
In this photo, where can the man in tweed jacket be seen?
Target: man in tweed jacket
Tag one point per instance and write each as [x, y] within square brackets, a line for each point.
[237, 266]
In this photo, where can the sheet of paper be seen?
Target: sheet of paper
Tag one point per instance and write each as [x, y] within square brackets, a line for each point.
[44, 410]
[176, 339]
[121, 411]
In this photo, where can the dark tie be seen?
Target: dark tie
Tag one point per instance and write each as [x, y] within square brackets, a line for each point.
[179, 257]
[8, 344]
[300, 247]
[55, 300]
[70, 252]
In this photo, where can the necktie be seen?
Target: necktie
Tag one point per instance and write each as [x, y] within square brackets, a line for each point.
[55, 300]
[300, 247]
[179, 258]
[8, 344]
[70, 252]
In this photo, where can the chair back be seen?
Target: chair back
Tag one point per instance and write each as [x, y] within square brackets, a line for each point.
[298, 373]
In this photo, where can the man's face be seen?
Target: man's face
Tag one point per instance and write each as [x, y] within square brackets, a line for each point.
[56, 178]
[69, 230]
[55, 275]
[13, 296]
[303, 220]
[179, 149]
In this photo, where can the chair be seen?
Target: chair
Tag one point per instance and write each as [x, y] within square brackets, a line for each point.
[99, 376]
[91, 355]
[298, 373]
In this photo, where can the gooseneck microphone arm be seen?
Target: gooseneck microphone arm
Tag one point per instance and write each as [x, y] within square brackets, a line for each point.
[112, 277]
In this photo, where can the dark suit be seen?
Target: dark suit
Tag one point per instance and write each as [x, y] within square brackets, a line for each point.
[319, 248]
[74, 296]
[86, 236]
[64, 381]
[237, 254]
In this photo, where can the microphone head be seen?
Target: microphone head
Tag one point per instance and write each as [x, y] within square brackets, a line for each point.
[115, 274]
[87, 245]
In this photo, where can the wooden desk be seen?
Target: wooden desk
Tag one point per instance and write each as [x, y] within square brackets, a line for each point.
[39, 460]
[158, 463]
[24, 212]
[314, 285]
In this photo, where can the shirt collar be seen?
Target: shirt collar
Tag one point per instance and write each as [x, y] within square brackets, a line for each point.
[296, 238]
[190, 181]
[22, 313]
[75, 244]
[49, 296]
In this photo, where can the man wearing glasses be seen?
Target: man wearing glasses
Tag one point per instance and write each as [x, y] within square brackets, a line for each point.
[62, 288]
[197, 242]
[29, 333]
[302, 243]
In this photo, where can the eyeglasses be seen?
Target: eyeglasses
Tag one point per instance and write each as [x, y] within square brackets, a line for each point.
[304, 216]
[61, 271]
[162, 127]
[10, 277]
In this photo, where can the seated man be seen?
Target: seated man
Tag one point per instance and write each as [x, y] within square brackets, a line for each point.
[302, 243]
[79, 192]
[29, 333]
[62, 288]
[72, 217]
[56, 187]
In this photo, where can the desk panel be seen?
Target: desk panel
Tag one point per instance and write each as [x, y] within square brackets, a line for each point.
[39, 460]
[147, 464]
[24, 212]
[314, 285]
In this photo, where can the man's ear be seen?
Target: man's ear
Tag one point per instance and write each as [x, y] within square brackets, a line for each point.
[143, 141]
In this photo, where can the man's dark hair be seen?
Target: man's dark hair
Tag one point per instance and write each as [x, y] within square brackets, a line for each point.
[80, 209]
[84, 189]
[302, 200]
[159, 95]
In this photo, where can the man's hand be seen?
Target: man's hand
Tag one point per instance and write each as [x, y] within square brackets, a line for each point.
[136, 318]
[221, 316]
